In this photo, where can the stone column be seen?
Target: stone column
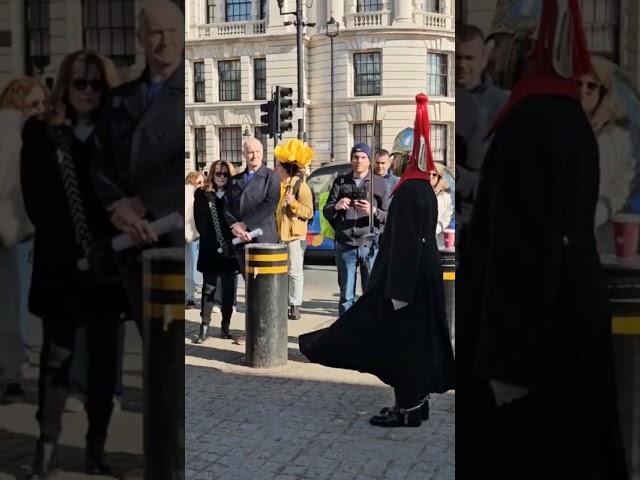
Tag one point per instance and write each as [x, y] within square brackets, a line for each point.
[403, 12]
[336, 8]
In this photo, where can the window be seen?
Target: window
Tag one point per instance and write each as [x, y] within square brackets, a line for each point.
[198, 81]
[263, 9]
[437, 77]
[367, 73]
[369, 5]
[260, 78]
[263, 137]
[201, 147]
[109, 29]
[229, 80]
[434, 6]
[38, 35]
[438, 135]
[211, 11]
[363, 133]
[602, 27]
[231, 144]
[237, 10]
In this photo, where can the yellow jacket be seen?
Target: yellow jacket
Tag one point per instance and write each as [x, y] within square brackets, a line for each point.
[292, 219]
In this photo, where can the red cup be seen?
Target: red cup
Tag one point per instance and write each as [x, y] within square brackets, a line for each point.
[626, 231]
[449, 237]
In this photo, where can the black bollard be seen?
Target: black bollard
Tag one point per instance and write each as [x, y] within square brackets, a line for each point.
[624, 290]
[448, 260]
[163, 364]
[267, 294]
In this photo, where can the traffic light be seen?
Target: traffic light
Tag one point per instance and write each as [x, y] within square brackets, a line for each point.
[284, 105]
[268, 117]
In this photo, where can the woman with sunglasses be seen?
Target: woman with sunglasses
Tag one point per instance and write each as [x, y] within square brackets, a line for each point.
[21, 98]
[445, 205]
[216, 258]
[608, 117]
[74, 282]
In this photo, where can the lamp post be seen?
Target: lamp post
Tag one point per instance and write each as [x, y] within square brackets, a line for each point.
[332, 33]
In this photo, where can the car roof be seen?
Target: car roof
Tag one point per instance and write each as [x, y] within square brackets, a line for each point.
[331, 169]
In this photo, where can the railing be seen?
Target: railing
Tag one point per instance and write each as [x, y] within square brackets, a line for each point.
[228, 29]
[437, 21]
[368, 19]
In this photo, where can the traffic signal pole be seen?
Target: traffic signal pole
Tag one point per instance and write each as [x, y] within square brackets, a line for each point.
[299, 25]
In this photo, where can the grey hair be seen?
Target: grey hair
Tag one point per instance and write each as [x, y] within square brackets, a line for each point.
[155, 4]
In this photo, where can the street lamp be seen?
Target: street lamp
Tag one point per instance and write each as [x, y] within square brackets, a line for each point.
[332, 32]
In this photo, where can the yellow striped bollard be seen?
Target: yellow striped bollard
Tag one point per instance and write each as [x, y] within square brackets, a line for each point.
[267, 298]
[163, 364]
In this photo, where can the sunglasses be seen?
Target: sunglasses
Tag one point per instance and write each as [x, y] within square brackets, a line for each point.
[221, 174]
[37, 104]
[591, 86]
[81, 84]
[434, 175]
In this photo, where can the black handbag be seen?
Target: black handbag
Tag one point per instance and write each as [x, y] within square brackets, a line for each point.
[98, 258]
[225, 248]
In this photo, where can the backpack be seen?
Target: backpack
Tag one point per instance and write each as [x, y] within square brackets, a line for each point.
[296, 190]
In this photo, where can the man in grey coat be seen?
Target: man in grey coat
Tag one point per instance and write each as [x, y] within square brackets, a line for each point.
[139, 156]
[253, 197]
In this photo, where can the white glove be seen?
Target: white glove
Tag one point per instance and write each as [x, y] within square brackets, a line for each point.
[506, 393]
[398, 304]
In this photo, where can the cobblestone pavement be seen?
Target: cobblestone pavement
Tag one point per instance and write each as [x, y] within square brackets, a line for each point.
[302, 421]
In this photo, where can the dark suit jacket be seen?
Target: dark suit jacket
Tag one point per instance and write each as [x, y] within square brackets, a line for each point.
[255, 203]
[140, 148]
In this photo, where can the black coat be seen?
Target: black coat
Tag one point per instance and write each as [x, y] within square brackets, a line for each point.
[58, 287]
[532, 307]
[408, 348]
[210, 261]
[352, 224]
[141, 149]
[255, 204]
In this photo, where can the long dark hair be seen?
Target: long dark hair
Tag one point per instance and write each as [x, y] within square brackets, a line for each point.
[59, 99]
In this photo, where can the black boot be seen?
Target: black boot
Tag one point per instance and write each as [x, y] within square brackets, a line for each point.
[398, 417]
[46, 463]
[224, 330]
[95, 458]
[202, 336]
[424, 411]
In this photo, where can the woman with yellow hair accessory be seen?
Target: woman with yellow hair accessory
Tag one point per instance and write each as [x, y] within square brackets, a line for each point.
[295, 210]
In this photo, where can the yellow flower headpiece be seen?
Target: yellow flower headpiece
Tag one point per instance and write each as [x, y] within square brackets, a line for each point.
[294, 151]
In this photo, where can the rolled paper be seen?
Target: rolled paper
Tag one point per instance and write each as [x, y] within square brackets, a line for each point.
[253, 234]
[162, 226]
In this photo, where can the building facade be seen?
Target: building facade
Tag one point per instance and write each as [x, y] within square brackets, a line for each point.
[386, 51]
[35, 35]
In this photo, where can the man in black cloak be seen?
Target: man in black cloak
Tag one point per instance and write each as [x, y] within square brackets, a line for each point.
[535, 397]
[398, 329]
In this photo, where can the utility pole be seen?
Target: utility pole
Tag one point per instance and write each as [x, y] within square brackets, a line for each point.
[299, 23]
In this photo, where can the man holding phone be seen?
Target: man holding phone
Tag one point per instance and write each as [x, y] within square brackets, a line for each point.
[349, 210]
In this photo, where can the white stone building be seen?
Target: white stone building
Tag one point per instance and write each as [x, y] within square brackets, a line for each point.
[386, 51]
[35, 35]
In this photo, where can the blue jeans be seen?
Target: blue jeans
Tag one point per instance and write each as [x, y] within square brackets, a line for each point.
[347, 260]
[190, 269]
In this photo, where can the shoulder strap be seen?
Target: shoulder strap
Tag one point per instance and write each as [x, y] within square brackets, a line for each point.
[71, 187]
[216, 221]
